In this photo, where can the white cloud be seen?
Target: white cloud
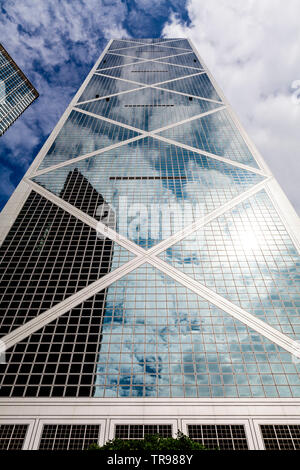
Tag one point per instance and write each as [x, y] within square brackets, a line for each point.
[253, 49]
[43, 28]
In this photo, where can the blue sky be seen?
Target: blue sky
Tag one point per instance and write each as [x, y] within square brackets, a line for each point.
[252, 48]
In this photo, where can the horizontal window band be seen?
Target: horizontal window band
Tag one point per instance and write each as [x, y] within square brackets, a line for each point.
[148, 178]
[149, 71]
[148, 105]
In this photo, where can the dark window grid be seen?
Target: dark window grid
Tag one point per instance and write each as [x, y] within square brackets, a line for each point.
[225, 437]
[70, 237]
[29, 214]
[69, 437]
[26, 268]
[139, 431]
[281, 437]
[52, 385]
[12, 436]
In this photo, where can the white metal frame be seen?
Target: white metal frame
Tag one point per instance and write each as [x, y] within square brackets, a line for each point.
[175, 411]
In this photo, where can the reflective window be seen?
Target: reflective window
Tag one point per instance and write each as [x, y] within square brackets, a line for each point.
[182, 43]
[16, 92]
[146, 335]
[155, 188]
[82, 134]
[186, 59]
[116, 44]
[113, 60]
[149, 51]
[216, 134]
[100, 85]
[247, 256]
[198, 85]
[149, 109]
[149, 72]
[160, 339]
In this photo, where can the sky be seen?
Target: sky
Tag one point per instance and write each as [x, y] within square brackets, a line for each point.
[252, 48]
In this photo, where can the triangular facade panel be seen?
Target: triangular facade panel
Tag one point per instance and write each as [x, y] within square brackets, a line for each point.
[186, 60]
[122, 44]
[100, 85]
[217, 134]
[149, 109]
[151, 40]
[149, 51]
[197, 85]
[180, 43]
[149, 72]
[115, 60]
[82, 134]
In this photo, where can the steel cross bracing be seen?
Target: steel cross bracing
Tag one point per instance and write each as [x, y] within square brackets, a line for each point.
[150, 256]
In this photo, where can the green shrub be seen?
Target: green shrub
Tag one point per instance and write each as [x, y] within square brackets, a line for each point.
[151, 443]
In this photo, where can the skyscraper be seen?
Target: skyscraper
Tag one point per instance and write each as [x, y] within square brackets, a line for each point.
[16, 91]
[150, 269]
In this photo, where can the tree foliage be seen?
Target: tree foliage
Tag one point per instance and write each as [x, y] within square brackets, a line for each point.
[151, 443]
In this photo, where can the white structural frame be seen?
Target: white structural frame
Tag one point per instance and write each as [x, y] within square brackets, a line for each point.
[178, 412]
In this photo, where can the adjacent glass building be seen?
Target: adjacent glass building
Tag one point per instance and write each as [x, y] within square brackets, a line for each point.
[16, 91]
[150, 269]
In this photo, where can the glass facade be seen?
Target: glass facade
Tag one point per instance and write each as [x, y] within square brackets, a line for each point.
[16, 92]
[150, 181]
[169, 188]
